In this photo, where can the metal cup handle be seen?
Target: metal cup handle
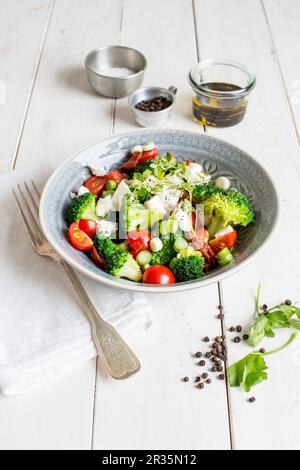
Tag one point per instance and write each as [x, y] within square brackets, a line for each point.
[172, 89]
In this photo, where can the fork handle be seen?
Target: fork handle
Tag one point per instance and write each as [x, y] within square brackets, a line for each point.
[118, 358]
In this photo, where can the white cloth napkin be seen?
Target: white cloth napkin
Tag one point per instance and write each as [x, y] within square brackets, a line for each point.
[42, 328]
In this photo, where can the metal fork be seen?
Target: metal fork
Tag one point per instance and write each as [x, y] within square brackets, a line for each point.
[119, 360]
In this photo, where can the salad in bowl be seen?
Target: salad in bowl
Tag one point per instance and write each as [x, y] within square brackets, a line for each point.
[157, 219]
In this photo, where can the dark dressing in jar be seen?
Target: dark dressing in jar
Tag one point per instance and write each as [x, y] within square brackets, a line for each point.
[212, 107]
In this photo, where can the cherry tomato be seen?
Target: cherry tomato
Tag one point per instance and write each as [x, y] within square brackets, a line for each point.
[228, 241]
[95, 184]
[134, 253]
[148, 155]
[88, 226]
[115, 175]
[78, 238]
[139, 239]
[133, 161]
[96, 258]
[158, 274]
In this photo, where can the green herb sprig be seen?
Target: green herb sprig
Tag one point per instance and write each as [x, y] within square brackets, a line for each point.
[279, 316]
[251, 370]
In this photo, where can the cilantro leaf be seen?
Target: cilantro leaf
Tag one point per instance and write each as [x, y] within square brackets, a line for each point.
[248, 372]
[277, 317]
[251, 370]
[258, 330]
[295, 323]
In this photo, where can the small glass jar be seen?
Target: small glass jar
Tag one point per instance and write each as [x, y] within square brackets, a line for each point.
[220, 92]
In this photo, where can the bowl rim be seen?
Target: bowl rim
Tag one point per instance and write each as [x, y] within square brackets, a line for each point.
[142, 70]
[140, 287]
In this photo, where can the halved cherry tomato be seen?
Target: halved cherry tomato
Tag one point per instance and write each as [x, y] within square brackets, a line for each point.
[78, 238]
[134, 253]
[132, 162]
[115, 175]
[149, 154]
[96, 258]
[227, 241]
[139, 240]
[88, 226]
[158, 274]
[95, 184]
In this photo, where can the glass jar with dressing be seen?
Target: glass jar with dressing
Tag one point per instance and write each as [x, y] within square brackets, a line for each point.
[220, 92]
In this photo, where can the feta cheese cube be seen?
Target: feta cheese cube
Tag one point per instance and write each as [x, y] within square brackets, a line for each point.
[82, 190]
[118, 195]
[97, 169]
[104, 206]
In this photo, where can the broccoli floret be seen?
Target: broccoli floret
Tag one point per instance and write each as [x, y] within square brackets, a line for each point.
[122, 264]
[203, 190]
[119, 262]
[188, 265]
[224, 207]
[166, 254]
[83, 207]
[143, 195]
[105, 246]
[133, 215]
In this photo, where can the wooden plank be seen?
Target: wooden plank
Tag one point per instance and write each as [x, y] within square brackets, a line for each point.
[154, 409]
[64, 115]
[284, 22]
[55, 416]
[22, 26]
[268, 134]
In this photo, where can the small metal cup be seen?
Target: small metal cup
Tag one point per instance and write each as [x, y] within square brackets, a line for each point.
[152, 118]
[103, 58]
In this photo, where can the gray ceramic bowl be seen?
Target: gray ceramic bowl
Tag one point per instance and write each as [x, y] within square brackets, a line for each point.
[105, 66]
[218, 158]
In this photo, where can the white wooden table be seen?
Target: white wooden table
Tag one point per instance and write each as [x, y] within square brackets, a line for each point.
[51, 112]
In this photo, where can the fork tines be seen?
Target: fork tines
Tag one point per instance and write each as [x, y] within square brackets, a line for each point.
[27, 200]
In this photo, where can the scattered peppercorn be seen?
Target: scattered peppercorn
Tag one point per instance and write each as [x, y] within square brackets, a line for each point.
[262, 350]
[220, 368]
[205, 375]
[206, 339]
[200, 385]
[214, 369]
[197, 379]
[198, 354]
[245, 337]
[208, 381]
[252, 400]
[208, 355]
[264, 307]
[201, 363]
[221, 376]
[288, 302]
[221, 316]
[239, 328]
[237, 339]
[185, 379]
[232, 329]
